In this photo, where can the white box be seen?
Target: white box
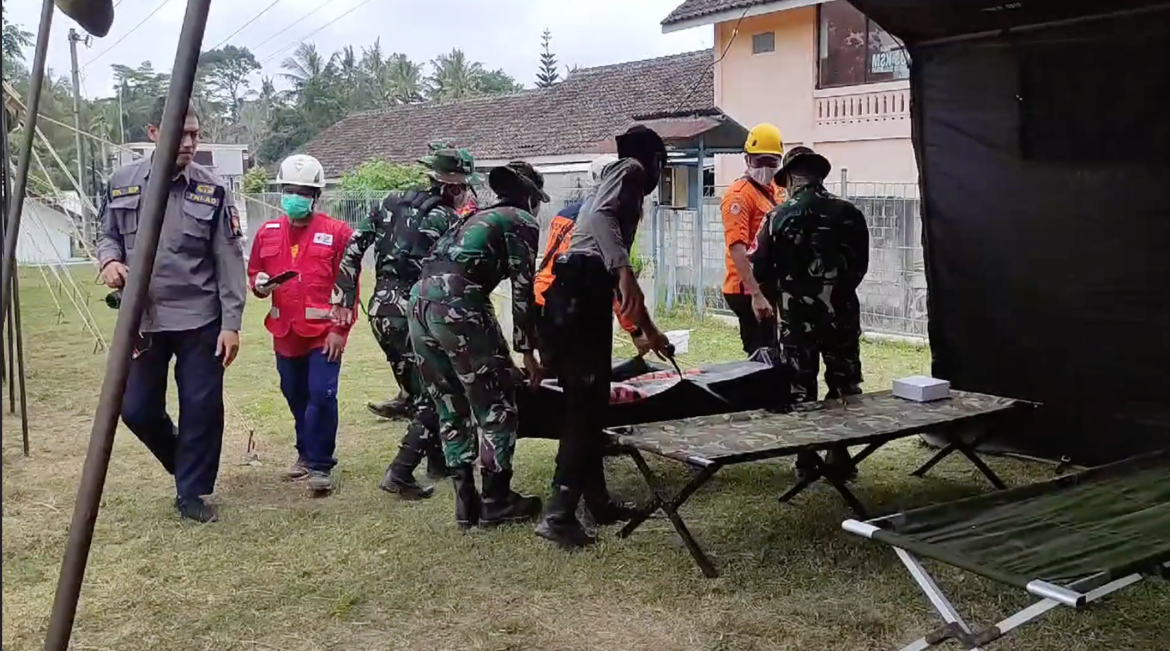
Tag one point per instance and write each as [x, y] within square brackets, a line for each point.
[921, 388]
[681, 339]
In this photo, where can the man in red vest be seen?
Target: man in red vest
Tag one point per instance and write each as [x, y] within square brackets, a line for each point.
[294, 260]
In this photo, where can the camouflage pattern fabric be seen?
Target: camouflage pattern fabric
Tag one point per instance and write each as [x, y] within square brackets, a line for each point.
[463, 357]
[811, 256]
[397, 261]
[490, 246]
[392, 332]
[761, 434]
[470, 379]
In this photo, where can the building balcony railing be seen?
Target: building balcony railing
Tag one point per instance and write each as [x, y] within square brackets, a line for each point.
[862, 113]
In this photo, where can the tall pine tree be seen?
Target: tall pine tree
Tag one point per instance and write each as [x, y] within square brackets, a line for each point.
[547, 75]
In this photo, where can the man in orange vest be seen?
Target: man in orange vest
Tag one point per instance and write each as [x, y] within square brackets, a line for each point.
[745, 206]
[294, 260]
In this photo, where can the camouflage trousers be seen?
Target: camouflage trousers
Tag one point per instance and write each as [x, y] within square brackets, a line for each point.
[819, 326]
[392, 332]
[468, 373]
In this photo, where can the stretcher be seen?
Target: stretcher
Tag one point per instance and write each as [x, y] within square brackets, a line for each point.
[1069, 541]
[710, 443]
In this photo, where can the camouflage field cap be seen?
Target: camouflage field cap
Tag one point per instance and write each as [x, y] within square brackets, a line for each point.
[504, 180]
[450, 165]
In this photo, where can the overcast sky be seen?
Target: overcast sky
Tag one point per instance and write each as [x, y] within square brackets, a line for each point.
[499, 33]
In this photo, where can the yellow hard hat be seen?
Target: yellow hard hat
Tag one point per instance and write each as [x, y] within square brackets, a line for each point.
[764, 138]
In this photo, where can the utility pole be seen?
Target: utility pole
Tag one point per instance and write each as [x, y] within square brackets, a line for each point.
[74, 38]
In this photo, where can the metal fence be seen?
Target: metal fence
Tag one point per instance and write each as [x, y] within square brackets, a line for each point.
[688, 269]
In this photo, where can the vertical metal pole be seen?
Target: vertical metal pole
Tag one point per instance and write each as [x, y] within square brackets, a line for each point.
[844, 182]
[20, 183]
[74, 37]
[700, 226]
[20, 365]
[101, 440]
[121, 118]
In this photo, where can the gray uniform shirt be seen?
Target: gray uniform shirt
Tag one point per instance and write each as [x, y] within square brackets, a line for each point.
[199, 273]
[610, 214]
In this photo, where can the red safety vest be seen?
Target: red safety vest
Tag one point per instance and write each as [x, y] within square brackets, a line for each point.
[300, 305]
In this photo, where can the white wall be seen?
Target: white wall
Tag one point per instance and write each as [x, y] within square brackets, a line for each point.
[45, 235]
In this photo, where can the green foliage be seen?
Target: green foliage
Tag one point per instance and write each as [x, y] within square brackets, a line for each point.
[548, 74]
[255, 180]
[380, 176]
[637, 262]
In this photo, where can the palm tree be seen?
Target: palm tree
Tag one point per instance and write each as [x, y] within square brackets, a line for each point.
[454, 77]
[306, 67]
[405, 83]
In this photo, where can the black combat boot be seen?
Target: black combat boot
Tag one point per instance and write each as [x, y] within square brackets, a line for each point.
[467, 503]
[602, 508]
[399, 478]
[436, 460]
[560, 523]
[502, 505]
[396, 407]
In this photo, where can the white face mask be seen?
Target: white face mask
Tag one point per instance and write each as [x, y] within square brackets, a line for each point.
[762, 175]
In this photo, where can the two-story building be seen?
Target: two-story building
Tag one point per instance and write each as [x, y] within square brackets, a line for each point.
[822, 72]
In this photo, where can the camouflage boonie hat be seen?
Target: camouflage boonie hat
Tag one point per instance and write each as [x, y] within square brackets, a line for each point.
[450, 166]
[505, 179]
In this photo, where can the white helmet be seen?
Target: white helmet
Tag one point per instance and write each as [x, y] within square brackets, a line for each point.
[598, 166]
[301, 169]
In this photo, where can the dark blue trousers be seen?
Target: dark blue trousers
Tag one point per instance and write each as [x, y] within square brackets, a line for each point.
[191, 451]
[309, 384]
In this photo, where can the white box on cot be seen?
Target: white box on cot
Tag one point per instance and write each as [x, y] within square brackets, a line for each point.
[921, 388]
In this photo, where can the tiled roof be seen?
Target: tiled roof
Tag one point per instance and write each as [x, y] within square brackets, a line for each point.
[593, 104]
[699, 8]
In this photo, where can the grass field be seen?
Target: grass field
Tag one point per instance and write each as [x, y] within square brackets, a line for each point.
[361, 571]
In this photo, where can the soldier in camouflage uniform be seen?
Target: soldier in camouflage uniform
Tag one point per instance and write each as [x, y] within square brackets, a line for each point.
[403, 230]
[391, 332]
[814, 252]
[466, 367]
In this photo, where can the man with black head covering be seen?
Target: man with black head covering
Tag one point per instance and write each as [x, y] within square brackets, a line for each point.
[814, 252]
[466, 367]
[579, 326]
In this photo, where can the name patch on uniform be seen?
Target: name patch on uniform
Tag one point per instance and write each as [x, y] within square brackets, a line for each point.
[323, 238]
[203, 198]
[127, 191]
[272, 225]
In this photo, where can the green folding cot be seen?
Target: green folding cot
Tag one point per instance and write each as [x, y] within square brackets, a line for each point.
[1068, 541]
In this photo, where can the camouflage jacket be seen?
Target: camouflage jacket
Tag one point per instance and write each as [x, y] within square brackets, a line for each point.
[467, 264]
[811, 240]
[402, 231]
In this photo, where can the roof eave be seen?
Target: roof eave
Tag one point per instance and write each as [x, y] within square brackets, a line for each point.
[727, 15]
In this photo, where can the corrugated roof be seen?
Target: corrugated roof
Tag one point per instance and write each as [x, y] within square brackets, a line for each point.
[593, 104]
[699, 8]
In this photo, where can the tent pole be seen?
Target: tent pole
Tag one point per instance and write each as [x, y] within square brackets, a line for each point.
[101, 441]
[36, 77]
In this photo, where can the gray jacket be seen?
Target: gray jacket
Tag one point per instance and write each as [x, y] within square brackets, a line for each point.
[199, 273]
[610, 213]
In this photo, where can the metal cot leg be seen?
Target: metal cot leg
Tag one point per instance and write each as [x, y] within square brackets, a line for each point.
[821, 471]
[670, 505]
[956, 444]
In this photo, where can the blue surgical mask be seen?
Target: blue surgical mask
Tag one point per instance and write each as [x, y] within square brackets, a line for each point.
[296, 206]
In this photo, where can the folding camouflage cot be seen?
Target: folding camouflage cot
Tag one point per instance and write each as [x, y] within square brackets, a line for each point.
[709, 443]
[1069, 541]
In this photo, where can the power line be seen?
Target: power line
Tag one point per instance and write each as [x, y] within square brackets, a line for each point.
[127, 34]
[302, 39]
[295, 23]
[734, 33]
[250, 21]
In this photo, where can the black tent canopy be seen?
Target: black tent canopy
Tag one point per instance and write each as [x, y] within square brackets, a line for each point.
[1043, 146]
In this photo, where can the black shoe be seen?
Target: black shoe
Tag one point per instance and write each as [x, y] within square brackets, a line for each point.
[560, 523]
[436, 462]
[602, 508]
[840, 465]
[403, 484]
[502, 505]
[397, 407]
[399, 476]
[467, 501]
[194, 508]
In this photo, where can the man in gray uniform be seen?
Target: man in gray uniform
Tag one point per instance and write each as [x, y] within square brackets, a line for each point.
[193, 313]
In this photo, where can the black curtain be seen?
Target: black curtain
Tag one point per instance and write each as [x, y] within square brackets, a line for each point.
[1045, 169]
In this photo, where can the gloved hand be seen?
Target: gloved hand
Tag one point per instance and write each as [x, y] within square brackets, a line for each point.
[259, 287]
